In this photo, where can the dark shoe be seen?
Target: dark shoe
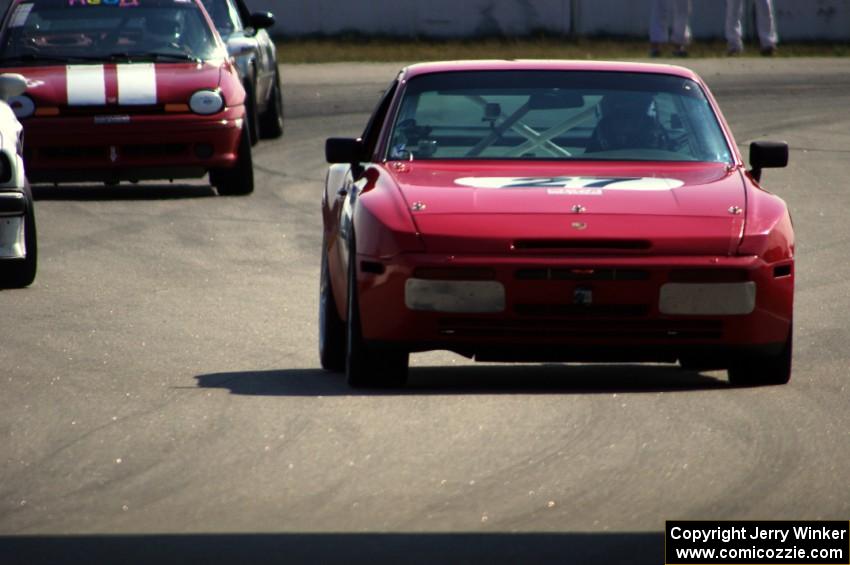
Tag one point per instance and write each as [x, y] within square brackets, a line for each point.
[655, 51]
[769, 51]
[734, 51]
[680, 52]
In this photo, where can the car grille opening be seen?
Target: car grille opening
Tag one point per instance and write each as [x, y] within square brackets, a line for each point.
[542, 328]
[581, 274]
[583, 310]
[108, 111]
[102, 152]
[82, 152]
[782, 271]
[153, 150]
[709, 275]
[581, 244]
[454, 273]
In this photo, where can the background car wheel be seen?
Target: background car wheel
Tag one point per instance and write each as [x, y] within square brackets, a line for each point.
[271, 122]
[21, 273]
[764, 369]
[252, 119]
[239, 179]
[331, 327]
[364, 365]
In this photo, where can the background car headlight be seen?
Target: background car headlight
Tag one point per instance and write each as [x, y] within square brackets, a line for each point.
[22, 106]
[206, 102]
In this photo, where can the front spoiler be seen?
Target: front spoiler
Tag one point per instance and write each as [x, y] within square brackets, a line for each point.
[702, 357]
[543, 320]
[111, 175]
[148, 147]
[13, 206]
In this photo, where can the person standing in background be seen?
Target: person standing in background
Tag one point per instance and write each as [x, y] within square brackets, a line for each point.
[765, 24]
[669, 21]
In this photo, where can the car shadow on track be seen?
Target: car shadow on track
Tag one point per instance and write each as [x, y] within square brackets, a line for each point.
[485, 379]
[411, 548]
[96, 192]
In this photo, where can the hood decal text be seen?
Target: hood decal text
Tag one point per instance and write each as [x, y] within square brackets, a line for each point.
[592, 186]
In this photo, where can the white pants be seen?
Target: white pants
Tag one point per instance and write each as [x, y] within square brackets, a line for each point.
[765, 22]
[668, 21]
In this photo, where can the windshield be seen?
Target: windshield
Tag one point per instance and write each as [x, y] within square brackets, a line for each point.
[556, 115]
[44, 31]
[224, 16]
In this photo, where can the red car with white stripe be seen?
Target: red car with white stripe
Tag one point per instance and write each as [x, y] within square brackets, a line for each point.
[126, 90]
[553, 211]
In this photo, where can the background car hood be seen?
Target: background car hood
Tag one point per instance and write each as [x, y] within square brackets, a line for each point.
[681, 208]
[142, 83]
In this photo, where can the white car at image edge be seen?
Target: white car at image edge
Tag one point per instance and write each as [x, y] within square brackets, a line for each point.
[18, 248]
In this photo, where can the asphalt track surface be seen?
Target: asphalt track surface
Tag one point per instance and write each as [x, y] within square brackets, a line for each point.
[161, 400]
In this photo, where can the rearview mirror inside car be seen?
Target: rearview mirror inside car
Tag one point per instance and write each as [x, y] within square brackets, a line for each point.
[555, 100]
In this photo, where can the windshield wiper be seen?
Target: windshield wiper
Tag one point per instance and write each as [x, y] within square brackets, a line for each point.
[34, 59]
[31, 58]
[158, 56]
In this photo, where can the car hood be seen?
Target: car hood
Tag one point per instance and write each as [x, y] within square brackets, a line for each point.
[680, 208]
[132, 84]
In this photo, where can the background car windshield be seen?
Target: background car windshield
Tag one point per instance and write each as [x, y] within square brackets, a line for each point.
[556, 115]
[224, 16]
[55, 29]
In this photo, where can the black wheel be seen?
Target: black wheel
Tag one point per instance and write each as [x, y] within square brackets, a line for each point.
[331, 327]
[252, 119]
[364, 365]
[764, 369]
[271, 121]
[18, 273]
[239, 179]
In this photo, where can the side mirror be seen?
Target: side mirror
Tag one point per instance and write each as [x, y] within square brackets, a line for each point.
[262, 20]
[12, 84]
[767, 155]
[239, 46]
[343, 150]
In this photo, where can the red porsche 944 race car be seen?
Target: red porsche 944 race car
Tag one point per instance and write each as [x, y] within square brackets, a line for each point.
[553, 211]
[126, 90]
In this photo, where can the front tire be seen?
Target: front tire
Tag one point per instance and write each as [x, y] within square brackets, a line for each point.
[19, 273]
[238, 180]
[760, 370]
[366, 366]
[331, 327]
[252, 119]
[271, 121]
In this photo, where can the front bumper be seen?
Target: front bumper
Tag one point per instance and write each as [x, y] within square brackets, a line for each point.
[13, 207]
[582, 308]
[135, 147]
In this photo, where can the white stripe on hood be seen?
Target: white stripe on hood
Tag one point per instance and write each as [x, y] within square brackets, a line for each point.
[86, 85]
[137, 84]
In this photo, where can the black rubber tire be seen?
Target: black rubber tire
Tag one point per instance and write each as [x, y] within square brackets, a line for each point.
[271, 120]
[19, 273]
[238, 180]
[252, 119]
[365, 366]
[761, 370]
[331, 326]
